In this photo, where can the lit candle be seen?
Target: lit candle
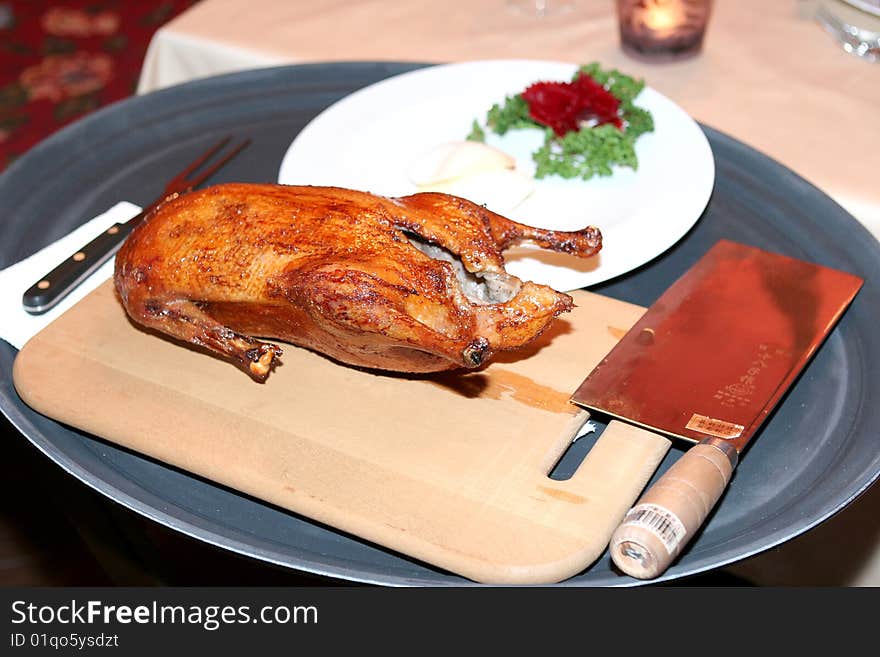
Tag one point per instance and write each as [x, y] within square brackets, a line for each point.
[662, 27]
[663, 19]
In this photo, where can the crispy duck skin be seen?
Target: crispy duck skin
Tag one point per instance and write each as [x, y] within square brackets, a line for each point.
[410, 284]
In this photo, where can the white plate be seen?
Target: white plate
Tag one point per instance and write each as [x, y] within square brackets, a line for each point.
[369, 139]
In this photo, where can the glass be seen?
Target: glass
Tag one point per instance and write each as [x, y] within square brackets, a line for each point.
[855, 24]
[662, 29]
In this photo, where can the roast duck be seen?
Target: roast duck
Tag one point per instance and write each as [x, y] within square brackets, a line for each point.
[409, 284]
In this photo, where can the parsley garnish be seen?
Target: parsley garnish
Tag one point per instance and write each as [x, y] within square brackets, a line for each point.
[589, 151]
[513, 114]
[476, 133]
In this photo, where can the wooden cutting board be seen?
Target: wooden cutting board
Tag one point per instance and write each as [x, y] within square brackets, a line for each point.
[450, 469]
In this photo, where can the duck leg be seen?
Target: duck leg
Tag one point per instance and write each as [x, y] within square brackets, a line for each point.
[187, 321]
[479, 235]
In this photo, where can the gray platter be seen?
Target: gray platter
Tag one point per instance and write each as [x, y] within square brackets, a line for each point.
[817, 453]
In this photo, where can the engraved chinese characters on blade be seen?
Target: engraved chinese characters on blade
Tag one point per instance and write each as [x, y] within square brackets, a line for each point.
[740, 393]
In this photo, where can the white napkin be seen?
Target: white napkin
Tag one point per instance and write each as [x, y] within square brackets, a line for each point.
[16, 325]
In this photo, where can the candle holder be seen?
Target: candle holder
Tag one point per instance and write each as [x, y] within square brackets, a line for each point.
[662, 29]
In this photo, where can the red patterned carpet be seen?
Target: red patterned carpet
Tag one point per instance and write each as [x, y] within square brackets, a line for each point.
[61, 60]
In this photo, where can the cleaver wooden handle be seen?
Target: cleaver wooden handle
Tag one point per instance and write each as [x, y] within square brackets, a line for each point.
[667, 516]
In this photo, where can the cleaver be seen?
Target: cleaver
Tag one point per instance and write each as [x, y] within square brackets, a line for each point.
[707, 362]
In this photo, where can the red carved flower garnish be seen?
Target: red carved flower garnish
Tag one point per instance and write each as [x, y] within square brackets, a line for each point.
[563, 106]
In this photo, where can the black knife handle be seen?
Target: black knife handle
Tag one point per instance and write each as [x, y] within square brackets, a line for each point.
[58, 283]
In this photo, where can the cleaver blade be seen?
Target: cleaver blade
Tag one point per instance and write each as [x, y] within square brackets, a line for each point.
[708, 362]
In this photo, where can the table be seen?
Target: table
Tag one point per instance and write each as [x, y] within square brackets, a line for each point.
[768, 75]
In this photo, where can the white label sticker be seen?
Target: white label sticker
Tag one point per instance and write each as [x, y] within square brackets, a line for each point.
[662, 522]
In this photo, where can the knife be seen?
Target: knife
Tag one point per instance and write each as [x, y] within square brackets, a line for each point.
[708, 362]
